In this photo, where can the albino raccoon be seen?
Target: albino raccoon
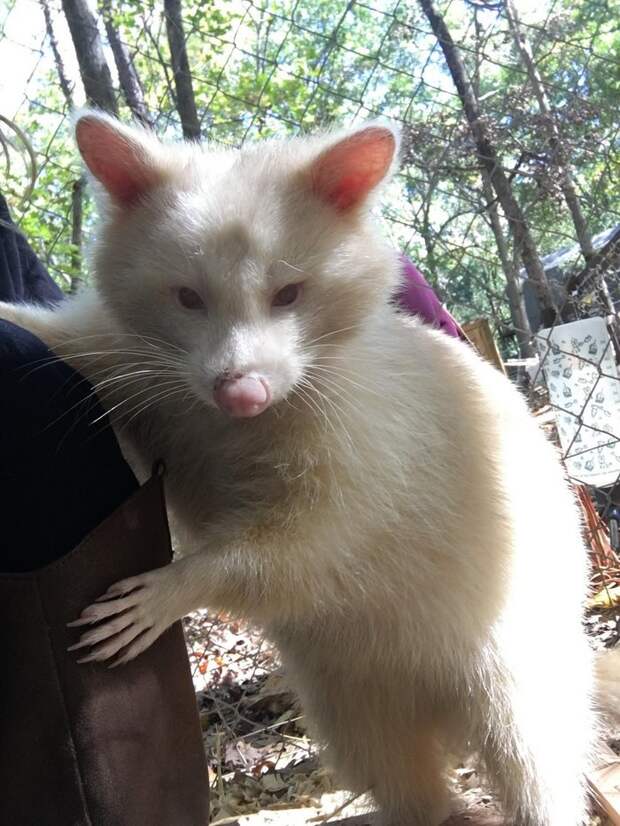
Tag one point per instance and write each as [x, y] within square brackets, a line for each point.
[366, 488]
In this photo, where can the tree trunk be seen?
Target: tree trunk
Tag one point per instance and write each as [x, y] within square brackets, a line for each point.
[520, 321]
[489, 160]
[554, 137]
[186, 104]
[60, 66]
[94, 69]
[77, 192]
[127, 75]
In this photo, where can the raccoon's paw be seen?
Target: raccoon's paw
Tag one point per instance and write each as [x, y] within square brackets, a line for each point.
[129, 617]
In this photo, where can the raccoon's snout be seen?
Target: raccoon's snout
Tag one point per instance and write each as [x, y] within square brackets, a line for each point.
[242, 396]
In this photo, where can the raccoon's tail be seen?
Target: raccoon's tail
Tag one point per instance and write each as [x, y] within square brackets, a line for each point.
[607, 672]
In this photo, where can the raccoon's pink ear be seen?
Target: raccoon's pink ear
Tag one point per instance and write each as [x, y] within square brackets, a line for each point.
[344, 174]
[118, 157]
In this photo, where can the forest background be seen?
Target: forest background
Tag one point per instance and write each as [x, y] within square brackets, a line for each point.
[509, 112]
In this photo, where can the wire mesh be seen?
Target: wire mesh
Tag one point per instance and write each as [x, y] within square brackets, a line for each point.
[282, 67]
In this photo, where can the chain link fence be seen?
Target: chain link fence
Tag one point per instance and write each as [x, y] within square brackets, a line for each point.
[506, 199]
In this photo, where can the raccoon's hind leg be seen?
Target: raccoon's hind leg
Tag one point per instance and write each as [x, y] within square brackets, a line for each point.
[411, 789]
[380, 739]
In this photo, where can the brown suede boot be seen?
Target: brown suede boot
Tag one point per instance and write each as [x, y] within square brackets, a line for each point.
[83, 745]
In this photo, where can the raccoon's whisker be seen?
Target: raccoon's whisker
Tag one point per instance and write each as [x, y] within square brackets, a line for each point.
[332, 386]
[338, 411]
[158, 398]
[136, 375]
[96, 355]
[292, 266]
[165, 345]
[121, 351]
[307, 399]
[81, 402]
[111, 391]
[133, 396]
[145, 374]
[303, 390]
[312, 390]
[195, 402]
[339, 356]
[149, 366]
[97, 386]
[351, 371]
[313, 341]
[288, 401]
[147, 339]
[43, 362]
[341, 375]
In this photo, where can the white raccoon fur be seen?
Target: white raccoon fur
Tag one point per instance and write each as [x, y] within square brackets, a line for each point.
[395, 519]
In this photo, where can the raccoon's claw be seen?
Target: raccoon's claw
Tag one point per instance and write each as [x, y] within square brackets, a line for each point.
[129, 617]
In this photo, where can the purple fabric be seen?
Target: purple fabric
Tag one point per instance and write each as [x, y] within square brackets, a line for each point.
[417, 297]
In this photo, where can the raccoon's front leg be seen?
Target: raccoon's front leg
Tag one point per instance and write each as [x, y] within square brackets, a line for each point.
[244, 579]
[37, 320]
[79, 330]
[134, 612]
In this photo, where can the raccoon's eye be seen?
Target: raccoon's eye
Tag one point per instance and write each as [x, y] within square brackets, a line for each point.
[286, 296]
[190, 299]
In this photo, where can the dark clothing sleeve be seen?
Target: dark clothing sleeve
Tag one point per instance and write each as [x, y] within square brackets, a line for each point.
[61, 469]
[22, 276]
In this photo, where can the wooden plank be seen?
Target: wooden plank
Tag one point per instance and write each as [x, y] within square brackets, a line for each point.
[604, 783]
[479, 334]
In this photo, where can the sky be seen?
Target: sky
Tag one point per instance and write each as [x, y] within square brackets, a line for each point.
[25, 54]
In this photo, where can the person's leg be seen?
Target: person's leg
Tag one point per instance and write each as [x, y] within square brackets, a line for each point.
[60, 474]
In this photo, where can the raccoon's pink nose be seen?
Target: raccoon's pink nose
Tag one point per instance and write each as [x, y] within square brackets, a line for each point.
[242, 396]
